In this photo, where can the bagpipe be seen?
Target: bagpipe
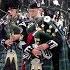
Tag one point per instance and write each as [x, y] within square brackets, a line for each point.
[46, 54]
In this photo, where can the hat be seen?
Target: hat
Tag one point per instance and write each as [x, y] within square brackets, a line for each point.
[33, 5]
[13, 4]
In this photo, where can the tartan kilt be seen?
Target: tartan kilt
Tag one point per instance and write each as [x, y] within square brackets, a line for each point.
[47, 65]
[3, 57]
[64, 63]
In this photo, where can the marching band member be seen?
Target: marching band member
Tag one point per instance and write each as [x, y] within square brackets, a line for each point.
[47, 29]
[12, 31]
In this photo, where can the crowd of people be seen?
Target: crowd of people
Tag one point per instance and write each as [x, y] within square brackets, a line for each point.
[37, 33]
